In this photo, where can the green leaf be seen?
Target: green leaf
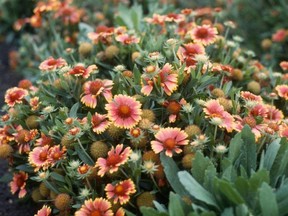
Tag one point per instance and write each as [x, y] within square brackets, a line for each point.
[258, 178]
[147, 211]
[248, 150]
[137, 75]
[235, 147]
[268, 201]
[175, 205]
[196, 190]
[73, 110]
[230, 192]
[25, 168]
[84, 156]
[128, 213]
[57, 177]
[271, 154]
[200, 165]
[282, 199]
[171, 170]
[280, 162]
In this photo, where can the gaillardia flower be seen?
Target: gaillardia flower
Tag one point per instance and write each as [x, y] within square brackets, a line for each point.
[124, 111]
[18, 183]
[120, 192]
[82, 71]
[44, 211]
[169, 140]
[99, 123]
[15, 95]
[282, 91]
[204, 34]
[116, 157]
[38, 158]
[51, 64]
[96, 207]
[92, 89]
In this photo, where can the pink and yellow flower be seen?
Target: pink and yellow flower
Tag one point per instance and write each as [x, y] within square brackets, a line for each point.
[218, 116]
[96, 207]
[99, 123]
[69, 14]
[38, 158]
[187, 52]
[168, 79]
[282, 91]
[127, 39]
[55, 154]
[204, 34]
[169, 140]
[124, 111]
[273, 114]
[284, 65]
[257, 129]
[121, 191]
[19, 183]
[116, 157]
[44, 211]
[80, 70]
[14, 96]
[92, 89]
[102, 34]
[51, 64]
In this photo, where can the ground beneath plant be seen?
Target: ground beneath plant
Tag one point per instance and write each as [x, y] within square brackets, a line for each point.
[10, 205]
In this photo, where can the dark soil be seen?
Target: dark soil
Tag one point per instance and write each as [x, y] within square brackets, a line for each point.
[10, 205]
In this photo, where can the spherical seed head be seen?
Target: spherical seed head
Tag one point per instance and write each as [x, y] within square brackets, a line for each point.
[148, 114]
[66, 141]
[237, 75]
[141, 144]
[36, 196]
[187, 160]
[145, 124]
[266, 44]
[254, 87]
[188, 149]
[32, 122]
[226, 103]
[5, 151]
[52, 195]
[44, 191]
[115, 132]
[145, 199]
[217, 92]
[111, 51]
[135, 55]
[151, 156]
[62, 201]
[192, 130]
[98, 149]
[85, 49]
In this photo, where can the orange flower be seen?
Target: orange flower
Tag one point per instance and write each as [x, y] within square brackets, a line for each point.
[14, 96]
[51, 64]
[116, 157]
[169, 140]
[205, 34]
[282, 91]
[120, 192]
[18, 183]
[97, 207]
